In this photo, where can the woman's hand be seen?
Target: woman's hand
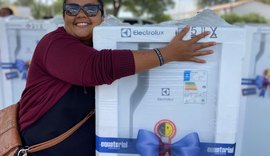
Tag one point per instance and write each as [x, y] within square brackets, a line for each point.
[177, 50]
[181, 50]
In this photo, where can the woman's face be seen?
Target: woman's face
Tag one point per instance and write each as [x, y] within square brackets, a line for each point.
[81, 25]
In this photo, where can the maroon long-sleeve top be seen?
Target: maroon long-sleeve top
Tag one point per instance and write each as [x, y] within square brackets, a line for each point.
[60, 61]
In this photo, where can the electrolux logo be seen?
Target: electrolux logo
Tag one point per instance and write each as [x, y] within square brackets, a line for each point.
[125, 32]
[165, 91]
[128, 32]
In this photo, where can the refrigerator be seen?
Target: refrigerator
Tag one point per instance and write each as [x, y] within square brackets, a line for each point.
[255, 99]
[174, 102]
[18, 39]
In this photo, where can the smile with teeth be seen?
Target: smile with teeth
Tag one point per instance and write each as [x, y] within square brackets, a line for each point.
[82, 24]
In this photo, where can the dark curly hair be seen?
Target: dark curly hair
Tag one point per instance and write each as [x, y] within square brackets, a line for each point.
[10, 11]
[99, 1]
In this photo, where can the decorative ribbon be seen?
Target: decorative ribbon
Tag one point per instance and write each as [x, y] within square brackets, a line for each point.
[20, 65]
[260, 82]
[149, 144]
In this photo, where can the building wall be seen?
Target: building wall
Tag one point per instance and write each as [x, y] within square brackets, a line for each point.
[253, 7]
[240, 8]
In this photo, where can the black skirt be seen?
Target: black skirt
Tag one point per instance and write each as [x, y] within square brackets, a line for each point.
[66, 113]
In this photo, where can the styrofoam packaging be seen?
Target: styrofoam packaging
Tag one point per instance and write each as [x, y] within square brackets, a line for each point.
[255, 98]
[18, 39]
[174, 101]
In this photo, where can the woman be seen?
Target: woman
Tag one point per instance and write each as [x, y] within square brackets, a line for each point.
[65, 70]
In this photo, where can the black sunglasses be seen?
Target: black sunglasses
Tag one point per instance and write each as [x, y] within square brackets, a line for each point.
[89, 9]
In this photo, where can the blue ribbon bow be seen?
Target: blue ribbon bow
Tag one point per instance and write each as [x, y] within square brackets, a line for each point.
[149, 144]
[22, 67]
[19, 65]
[262, 84]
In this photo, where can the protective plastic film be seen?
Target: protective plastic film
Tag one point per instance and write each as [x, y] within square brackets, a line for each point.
[171, 101]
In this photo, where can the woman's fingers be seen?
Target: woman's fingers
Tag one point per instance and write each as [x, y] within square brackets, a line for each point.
[194, 59]
[182, 33]
[195, 39]
[202, 53]
[204, 45]
[189, 50]
[198, 37]
[194, 56]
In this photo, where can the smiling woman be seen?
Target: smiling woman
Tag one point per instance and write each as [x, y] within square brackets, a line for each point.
[65, 68]
[82, 27]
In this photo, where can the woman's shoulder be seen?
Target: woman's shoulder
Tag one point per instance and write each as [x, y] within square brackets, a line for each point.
[60, 31]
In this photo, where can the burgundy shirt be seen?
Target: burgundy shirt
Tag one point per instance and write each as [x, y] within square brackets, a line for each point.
[60, 61]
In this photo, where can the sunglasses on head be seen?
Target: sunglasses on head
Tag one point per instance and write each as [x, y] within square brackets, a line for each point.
[89, 9]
